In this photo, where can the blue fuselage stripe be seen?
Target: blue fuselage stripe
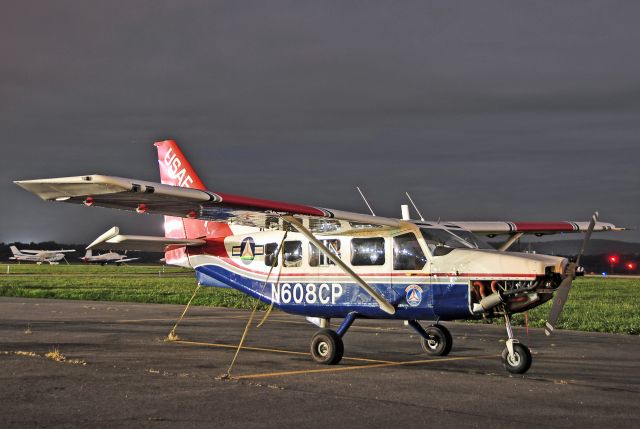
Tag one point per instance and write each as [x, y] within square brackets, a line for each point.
[327, 298]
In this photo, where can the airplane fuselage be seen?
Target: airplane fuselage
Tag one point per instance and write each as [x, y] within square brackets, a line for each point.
[435, 284]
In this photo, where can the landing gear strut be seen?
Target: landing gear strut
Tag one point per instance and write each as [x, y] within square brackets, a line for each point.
[436, 340]
[326, 345]
[516, 357]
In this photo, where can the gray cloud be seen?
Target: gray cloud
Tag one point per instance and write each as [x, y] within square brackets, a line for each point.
[482, 110]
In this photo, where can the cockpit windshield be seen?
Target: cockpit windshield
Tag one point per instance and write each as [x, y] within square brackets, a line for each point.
[455, 239]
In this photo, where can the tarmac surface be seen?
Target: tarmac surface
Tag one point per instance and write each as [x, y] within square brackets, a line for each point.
[119, 372]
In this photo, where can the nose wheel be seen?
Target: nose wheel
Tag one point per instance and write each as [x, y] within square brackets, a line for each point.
[516, 357]
[518, 361]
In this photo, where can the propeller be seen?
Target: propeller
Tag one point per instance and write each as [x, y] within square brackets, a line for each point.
[565, 286]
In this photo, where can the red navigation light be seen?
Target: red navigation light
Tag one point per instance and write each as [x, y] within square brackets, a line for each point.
[142, 208]
[613, 259]
[631, 266]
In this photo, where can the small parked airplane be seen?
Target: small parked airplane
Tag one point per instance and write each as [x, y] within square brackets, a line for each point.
[106, 258]
[324, 263]
[53, 257]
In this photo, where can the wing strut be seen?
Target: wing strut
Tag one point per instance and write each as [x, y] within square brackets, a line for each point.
[512, 239]
[384, 304]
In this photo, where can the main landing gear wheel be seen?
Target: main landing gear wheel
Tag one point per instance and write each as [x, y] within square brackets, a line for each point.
[439, 342]
[327, 347]
[520, 362]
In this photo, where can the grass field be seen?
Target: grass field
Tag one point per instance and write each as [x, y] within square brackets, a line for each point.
[595, 304]
[128, 283]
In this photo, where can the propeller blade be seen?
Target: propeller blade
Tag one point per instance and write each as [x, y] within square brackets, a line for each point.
[562, 294]
[560, 299]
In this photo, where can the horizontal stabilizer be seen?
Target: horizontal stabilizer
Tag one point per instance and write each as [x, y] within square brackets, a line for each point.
[126, 260]
[113, 240]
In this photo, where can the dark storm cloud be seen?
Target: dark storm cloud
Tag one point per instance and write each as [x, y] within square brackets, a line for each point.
[482, 110]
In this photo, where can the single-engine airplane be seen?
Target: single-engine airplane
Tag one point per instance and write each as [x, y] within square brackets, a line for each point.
[106, 258]
[323, 263]
[53, 257]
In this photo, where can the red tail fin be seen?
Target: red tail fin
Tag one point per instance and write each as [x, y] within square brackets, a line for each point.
[175, 170]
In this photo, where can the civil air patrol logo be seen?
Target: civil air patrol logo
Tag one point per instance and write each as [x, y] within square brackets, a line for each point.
[414, 295]
[247, 250]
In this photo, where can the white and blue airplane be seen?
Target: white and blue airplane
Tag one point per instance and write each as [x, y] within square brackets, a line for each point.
[324, 264]
[53, 257]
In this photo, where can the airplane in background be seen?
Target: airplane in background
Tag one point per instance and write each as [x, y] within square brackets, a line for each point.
[53, 257]
[324, 263]
[106, 258]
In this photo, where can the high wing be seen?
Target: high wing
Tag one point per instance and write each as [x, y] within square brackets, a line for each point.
[151, 197]
[156, 198]
[46, 252]
[492, 229]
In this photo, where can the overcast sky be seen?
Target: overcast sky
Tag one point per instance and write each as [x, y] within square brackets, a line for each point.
[481, 110]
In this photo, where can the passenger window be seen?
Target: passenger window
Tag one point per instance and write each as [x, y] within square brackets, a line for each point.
[367, 251]
[317, 258]
[407, 254]
[292, 253]
[271, 255]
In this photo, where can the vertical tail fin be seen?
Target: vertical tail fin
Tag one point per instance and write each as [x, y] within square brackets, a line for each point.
[175, 170]
[15, 251]
[88, 253]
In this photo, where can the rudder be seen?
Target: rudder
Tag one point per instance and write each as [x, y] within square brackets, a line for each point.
[175, 170]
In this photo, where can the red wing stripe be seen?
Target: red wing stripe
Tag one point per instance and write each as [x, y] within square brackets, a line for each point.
[239, 200]
[543, 226]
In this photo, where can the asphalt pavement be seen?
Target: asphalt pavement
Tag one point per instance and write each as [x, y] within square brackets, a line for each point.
[118, 371]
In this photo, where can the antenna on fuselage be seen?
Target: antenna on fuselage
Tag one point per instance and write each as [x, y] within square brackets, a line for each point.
[414, 206]
[365, 201]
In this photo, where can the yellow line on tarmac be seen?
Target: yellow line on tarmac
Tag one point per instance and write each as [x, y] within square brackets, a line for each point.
[173, 319]
[244, 316]
[263, 349]
[349, 368]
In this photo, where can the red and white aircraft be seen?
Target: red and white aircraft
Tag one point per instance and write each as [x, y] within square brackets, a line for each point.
[324, 263]
[106, 258]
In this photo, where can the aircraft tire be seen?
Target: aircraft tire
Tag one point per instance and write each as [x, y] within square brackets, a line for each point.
[521, 361]
[440, 341]
[327, 347]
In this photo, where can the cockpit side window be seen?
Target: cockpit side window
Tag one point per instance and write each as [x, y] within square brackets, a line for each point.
[453, 239]
[472, 239]
[435, 237]
[407, 254]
